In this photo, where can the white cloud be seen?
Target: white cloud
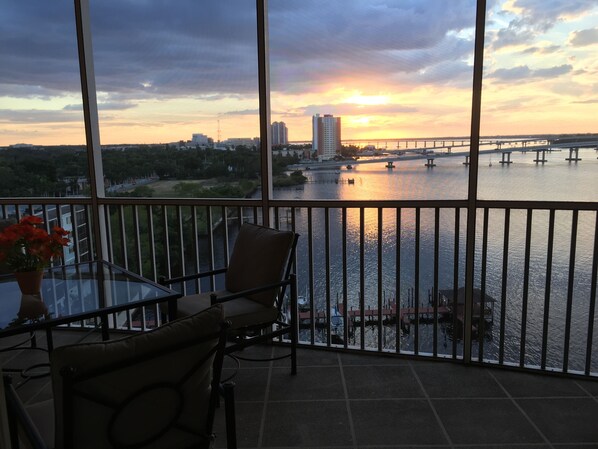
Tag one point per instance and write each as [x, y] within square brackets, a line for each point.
[583, 38]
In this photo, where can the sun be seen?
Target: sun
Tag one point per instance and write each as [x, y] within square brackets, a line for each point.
[363, 121]
[367, 100]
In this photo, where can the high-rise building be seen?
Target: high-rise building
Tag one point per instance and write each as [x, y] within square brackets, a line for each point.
[326, 139]
[280, 134]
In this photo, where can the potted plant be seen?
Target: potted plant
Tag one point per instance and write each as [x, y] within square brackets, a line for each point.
[26, 249]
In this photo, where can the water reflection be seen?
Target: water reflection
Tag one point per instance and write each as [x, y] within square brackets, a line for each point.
[380, 253]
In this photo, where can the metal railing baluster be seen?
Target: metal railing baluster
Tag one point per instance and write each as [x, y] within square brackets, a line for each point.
[524, 299]
[416, 286]
[327, 274]
[456, 277]
[310, 276]
[362, 276]
[398, 281]
[570, 286]
[482, 319]
[345, 285]
[503, 295]
[549, 249]
[380, 266]
[210, 234]
[592, 306]
[436, 274]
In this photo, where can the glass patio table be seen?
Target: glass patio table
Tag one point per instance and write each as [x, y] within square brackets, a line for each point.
[82, 293]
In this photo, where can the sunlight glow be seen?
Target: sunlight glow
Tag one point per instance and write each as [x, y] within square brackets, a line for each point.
[367, 99]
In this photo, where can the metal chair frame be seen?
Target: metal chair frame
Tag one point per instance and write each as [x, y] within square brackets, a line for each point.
[71, 390]
[243, 339]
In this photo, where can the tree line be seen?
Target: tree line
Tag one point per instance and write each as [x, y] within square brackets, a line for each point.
[53, 170]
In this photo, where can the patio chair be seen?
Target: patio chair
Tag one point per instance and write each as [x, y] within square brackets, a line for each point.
[255, 284]
[151, 390]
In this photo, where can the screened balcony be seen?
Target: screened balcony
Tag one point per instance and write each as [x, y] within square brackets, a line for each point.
[488, 269]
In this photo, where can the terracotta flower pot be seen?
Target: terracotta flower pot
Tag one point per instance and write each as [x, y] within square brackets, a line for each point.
[30, 282]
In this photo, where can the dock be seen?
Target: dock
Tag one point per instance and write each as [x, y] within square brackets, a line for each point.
[407, 315]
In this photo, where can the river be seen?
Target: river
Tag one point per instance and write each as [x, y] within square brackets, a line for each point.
[555, 180]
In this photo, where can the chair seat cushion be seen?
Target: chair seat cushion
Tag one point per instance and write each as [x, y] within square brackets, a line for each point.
[241, 312]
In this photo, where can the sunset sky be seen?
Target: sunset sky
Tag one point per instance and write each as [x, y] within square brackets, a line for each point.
[389, 68]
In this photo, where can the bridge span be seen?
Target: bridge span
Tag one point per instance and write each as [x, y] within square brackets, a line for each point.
[432, 153]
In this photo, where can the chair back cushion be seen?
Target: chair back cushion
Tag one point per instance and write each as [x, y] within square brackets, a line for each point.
[150, 387]
[259, 258]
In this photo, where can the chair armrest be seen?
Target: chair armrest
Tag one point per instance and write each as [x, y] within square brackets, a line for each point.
[214, 298]
[163, 281]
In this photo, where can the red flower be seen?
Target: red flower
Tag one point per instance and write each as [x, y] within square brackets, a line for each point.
[26, 247]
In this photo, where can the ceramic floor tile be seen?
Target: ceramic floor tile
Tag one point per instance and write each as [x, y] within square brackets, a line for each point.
[485, 421]
[388, 422]
[381, 382]
[307, 424]
[564, 420]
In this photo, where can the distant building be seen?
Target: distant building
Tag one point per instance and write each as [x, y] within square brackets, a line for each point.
[280, 134]
[200, 139]
[244, 141]
[326, 136]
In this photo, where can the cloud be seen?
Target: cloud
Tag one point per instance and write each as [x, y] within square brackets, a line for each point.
[523, 73]
[114, 106]
[545, 13]
[528, 19]
[190, 48]
[341, 109]
[24, 116]
[102, 106]
[549, 49]
[552, 72]
[207, 50]
[317, 42]
[584, 37]
[516, 33]
[243, 112]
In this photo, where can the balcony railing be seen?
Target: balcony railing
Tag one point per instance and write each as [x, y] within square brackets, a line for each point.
[385, 276]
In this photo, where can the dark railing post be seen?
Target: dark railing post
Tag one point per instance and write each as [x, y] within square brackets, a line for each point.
[478, 64]
[264, 106]
[92, 127]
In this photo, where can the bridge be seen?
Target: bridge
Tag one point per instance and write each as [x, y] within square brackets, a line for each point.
[432, 153]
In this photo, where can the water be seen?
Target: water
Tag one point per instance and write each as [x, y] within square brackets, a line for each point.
[557, 180]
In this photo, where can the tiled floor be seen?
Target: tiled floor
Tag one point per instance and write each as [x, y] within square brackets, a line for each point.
[340, 400]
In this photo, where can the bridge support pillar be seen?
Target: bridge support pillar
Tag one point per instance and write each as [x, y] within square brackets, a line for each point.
[571, 158]
[537, 160]
[466, 160]
[508, 160]
[430, 163]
